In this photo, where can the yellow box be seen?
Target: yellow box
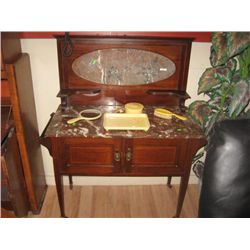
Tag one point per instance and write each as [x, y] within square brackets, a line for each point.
[133, 108]
[112, 121]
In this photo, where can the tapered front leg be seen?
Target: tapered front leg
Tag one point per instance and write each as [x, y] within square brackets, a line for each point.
[59, 162]
[60, 193]
[70, 182]
[182, 193]
[169, 181]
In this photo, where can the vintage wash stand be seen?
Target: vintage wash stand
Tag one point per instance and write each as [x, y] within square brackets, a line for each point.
[105, 73]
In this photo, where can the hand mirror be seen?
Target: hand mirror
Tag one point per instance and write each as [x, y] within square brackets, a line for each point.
[87, 114]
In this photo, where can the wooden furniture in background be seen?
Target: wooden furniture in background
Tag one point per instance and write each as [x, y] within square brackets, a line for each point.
[86, 149]
[13, 189]
[17, 91]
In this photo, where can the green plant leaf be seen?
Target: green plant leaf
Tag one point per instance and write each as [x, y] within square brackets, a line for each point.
[215, 102]
[236, 77]
[213, 77]
[218, 49]
[237, 42]
[224, 74]
[200, 112]
[207, 81]
[198, 169]
[217, 116]
[213, 57]
[232, 64]
[247, 114]
[198, 156]
[240, 98]
[244, 61]
[226, 45]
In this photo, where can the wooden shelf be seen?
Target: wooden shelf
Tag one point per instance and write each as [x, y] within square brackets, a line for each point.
[198, 36]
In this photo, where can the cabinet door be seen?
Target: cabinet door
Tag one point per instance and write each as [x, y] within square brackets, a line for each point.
[155, 157]
[90, 156]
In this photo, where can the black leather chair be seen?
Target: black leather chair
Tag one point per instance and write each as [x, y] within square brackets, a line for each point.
[225, 190]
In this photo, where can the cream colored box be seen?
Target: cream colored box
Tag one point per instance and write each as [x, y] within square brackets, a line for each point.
[125, 121]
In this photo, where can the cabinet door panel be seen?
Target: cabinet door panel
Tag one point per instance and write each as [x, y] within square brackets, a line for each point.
[156, 156]
[91, 156]
[150, 155]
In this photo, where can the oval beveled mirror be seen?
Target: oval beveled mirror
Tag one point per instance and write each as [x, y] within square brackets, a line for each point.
[123, 66]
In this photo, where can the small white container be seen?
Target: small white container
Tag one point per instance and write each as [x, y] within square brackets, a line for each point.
[133, 108]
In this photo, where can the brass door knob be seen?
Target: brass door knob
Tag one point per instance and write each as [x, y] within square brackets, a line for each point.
[117, 156]
[129, 155]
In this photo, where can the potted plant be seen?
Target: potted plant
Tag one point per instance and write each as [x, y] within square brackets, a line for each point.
[226, 85]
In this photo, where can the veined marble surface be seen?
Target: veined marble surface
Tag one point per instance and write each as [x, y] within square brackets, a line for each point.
[159, 127]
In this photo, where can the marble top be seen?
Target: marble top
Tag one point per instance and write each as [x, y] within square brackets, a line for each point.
[159, 127]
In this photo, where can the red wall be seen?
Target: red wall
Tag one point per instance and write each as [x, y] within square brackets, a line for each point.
[198, 36]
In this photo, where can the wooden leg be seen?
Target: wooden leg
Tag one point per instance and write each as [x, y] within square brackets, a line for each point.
[182, 193]
[70, 182]
[169, 181]
[60, 193]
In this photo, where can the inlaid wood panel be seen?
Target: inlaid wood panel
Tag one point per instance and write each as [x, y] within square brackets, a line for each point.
[88, 155]
[160, 155]
[156, 156]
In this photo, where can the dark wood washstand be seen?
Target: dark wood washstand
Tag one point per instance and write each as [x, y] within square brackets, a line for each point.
[87, 149]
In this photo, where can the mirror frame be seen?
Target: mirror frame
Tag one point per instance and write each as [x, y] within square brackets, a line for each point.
[76, 90]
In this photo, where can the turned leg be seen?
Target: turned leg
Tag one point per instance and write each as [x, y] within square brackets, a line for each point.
[70, 182]
[169, 181]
